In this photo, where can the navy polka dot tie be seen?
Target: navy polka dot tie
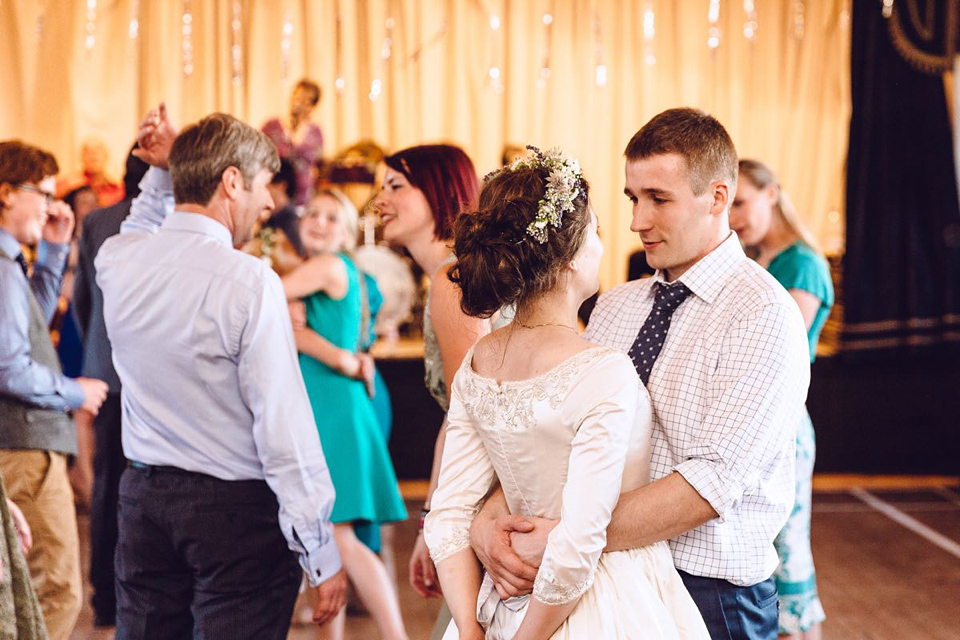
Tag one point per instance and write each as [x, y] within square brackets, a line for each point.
[652, 334]
[23, 263]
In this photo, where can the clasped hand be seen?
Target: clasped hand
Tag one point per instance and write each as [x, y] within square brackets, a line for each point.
[510, 548]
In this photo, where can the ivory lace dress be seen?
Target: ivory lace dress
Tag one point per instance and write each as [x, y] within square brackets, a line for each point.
[563, 445]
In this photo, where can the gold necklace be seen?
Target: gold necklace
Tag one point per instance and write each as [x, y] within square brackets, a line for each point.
[545, 324]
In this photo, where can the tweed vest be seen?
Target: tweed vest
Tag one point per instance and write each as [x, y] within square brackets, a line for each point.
[24, 425]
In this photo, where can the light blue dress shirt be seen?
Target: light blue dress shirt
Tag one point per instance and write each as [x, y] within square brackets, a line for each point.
[204, 348]
[20, 375]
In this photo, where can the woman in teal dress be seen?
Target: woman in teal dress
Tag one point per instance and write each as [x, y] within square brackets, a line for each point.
[766, 222]
[338, 376]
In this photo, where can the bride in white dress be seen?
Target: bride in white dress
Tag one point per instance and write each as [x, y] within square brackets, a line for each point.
[562, 424]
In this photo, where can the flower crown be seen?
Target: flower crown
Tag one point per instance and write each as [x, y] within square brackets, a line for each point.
[564, 185]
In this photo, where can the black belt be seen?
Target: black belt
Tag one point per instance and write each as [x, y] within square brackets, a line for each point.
[157, 468]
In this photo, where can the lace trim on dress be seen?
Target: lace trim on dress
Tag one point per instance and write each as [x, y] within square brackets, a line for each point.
[548, 590]
[458, 540]
[508, 405]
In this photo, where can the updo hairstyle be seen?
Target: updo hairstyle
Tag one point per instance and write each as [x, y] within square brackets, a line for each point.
[498, 262]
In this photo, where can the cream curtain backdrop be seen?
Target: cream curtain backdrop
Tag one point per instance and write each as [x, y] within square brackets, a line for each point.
[784, 99]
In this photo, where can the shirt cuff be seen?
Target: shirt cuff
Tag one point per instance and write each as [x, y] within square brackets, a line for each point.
[713, 485]
[52, 256]
[72, 393]
[157, 178]
[321, 563]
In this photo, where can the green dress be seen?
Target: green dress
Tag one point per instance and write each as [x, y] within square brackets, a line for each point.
[800, 267]
[350, 433]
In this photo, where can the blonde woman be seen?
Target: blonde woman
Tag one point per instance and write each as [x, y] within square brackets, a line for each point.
[764, 218]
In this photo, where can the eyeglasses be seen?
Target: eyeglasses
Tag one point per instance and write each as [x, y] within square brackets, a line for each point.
[49, 197]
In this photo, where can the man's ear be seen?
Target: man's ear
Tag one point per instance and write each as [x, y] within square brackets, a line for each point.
[5, 190]
[232, 182]
[721, 197]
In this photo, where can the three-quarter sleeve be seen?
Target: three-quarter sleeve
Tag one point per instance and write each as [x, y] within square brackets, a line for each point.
[466, 476]
[606, 397]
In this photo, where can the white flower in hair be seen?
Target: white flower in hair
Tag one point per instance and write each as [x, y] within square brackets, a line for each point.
[564, 185]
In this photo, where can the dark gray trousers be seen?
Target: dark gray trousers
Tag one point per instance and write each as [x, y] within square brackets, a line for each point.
[203, 558]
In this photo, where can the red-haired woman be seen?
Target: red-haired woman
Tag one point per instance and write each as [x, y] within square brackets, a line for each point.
[424, 189]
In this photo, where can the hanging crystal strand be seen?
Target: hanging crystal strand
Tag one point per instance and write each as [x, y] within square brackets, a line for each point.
[386, 51]
[649, 31]
[713, 19]
[236, 50]
[134, 29]
[799, 19]
[40, 17]
[285, 45]
[494, 72]
[90, 29]
[750, 21]
[600, 72]
[340, 82]
[186, 39]
[548, 35]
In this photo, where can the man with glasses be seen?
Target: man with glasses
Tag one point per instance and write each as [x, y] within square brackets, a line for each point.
[36, 433]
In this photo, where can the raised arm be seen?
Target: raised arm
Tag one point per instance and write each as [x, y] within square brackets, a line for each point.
[53, 251]
[154, 139]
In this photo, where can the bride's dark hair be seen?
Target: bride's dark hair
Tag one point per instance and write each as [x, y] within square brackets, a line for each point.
[498, 262]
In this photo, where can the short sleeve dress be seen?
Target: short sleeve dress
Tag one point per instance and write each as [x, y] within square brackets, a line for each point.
[350, 433]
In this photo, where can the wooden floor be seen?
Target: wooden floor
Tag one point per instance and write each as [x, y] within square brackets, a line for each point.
[887, 553]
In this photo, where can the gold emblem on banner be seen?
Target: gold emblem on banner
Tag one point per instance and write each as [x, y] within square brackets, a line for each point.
[926, 33]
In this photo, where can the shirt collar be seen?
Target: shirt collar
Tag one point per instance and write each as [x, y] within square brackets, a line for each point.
[8, 244]
[197, 223]
[707, 276]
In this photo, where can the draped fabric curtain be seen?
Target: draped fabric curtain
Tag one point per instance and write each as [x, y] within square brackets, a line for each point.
[784, 97]
[902, 263]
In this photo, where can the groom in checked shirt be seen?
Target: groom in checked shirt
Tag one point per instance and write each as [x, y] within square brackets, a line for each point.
[226, 478]
[722, 350]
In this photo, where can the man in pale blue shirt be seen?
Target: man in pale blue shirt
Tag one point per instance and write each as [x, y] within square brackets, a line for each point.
[226, 469]
[36, 432]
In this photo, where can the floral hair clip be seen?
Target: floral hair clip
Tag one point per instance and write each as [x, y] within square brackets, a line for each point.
[564, 185]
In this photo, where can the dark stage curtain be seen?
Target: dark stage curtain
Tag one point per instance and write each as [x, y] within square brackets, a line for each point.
[901, 269]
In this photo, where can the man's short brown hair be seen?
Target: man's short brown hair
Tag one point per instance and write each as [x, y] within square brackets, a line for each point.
[21, 162]
[204, 150]
[694, 135]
